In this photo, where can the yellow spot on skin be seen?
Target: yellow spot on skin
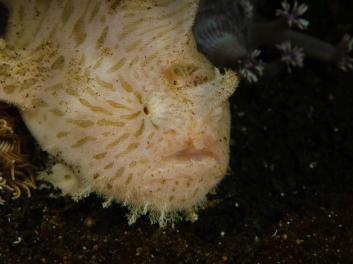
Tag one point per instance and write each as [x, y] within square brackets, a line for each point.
[102, 38]
[104, 122]
[117, 66]
[28, 83]
[81, 123]
[54, 87]
[67, 177]
[171, 198]
[161, 35]
[100, 156]
[83, 141]
[130, 148]
[149, 59]
[133, 45]
[58, 64]
[67, 12]
[124, 84]
[23, 71]
[117, 105]
[98, 63]
[132, 116]
[104, 84]
[187, 184]
[38, 103]
[9, 89]
[150, 136]
[94, 12]
[57, 112]
[135, 60]
[142, 127]
[95, 108]
[4, 68]
[91, 92]
[118, 173]
[117, 141]
[138, 96]
[78, 30]
[195, 192]
[132, 164]
[128, 179]
[150, 145]
[72, 92]
[62, 134]
[107, 167]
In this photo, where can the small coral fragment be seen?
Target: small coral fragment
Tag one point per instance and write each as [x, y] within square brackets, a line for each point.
[250, 68]
[291, 56]
[292, 16]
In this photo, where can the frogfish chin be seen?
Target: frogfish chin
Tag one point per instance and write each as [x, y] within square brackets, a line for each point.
[118, 95]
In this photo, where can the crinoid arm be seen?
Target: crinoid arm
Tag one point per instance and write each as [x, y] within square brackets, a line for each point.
[16, 168]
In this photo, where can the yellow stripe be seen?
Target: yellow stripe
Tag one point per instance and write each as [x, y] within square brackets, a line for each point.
[81, 123]
[104, 122]
[83, 141]
[117, 66]
[130, 148]
[117, 141]
[95, 108]
[124, 84]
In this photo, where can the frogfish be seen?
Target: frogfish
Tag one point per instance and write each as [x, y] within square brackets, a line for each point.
[119, 97]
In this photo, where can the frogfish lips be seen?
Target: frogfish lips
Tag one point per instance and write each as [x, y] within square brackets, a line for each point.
[185, 159]
[189, 168]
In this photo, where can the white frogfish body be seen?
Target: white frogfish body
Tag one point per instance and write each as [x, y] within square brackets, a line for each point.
[117, 94]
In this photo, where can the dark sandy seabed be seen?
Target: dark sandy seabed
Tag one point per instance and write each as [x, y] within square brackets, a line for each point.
[287, 199]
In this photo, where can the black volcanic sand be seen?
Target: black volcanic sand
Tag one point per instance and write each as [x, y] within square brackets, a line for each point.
[288, 197]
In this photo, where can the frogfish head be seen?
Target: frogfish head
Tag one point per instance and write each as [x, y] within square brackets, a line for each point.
[180, 127]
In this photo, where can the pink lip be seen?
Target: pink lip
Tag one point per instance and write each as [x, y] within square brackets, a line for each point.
[182, 159]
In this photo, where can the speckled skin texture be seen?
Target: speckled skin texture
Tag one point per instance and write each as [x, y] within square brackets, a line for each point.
[117, 92]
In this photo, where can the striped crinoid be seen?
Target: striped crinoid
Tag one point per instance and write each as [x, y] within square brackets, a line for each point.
[16, 167]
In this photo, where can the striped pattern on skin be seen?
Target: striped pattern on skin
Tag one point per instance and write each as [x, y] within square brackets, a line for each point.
[117, 91]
